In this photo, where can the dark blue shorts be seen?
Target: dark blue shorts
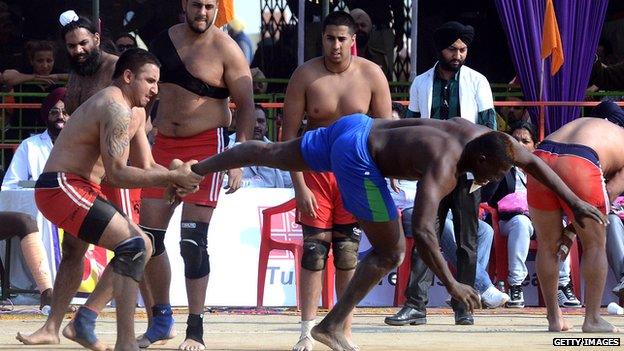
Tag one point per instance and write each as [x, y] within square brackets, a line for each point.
[343, 149]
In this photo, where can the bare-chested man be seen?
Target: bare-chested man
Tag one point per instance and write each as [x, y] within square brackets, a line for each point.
[99, 139]
[325, 89]
[586, 153]
[91, 71]
[362, 151]
[201, 67]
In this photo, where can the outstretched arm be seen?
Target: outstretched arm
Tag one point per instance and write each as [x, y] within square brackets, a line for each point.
[436, 183]
[534, 166]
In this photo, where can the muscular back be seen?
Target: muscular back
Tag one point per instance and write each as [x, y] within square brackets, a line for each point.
[404, 149]
[604, 137]
[80, 88]
[182, 113]
[77, 149]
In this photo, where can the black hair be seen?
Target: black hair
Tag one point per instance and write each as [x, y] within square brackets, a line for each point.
[34, 46]
[260, 107]
[133, 59]
[81, 22]
[495, 146]
[125, 35]
[524, 125]
[339, 18]
[399, 108]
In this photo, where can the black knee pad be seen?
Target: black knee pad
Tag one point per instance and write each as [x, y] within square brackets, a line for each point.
[130, 258]
[157, 236]
[194, 249]
[346, 248]
[314, 254]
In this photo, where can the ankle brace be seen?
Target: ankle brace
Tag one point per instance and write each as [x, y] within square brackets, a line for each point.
[195, 327]
[84, 324]
[306, 328]
[162, 322]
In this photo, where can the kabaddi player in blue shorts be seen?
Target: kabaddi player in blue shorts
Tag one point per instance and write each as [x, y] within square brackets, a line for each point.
[361, 151]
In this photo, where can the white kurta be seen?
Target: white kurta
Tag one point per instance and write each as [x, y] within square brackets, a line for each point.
[28, 161]
[475, 94]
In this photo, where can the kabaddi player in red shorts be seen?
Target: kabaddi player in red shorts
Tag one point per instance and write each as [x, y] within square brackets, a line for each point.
[98, 142]
[202, 67]
[324, 89]
[587, 154]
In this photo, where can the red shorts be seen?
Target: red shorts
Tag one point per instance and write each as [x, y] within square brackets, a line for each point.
[74, 204]
[579, 168]
[197, 147]
[127, 200]
[330, 208]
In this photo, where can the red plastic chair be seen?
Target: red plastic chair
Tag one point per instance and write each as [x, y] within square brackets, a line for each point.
[268, 244]
[501, 257]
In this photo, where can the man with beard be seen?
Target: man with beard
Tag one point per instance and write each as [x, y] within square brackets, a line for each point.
[447, 90]
[363, 27]
[201, 68]
[32, 153]
[324, 89]
[91, 71]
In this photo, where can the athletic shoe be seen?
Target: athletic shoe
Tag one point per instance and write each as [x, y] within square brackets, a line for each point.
[493, 298]
[618, 289]
[566, 297]
[516, 297]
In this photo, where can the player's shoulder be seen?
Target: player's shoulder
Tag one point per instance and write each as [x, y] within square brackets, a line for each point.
[311, 68]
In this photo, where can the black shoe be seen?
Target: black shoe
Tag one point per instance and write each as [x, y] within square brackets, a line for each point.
[407, 315]
[463, 317]
[516, 297]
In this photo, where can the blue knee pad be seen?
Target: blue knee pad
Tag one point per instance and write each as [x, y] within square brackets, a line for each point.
[84, 324]
[130, 258]
[194, 249]
[162, 322]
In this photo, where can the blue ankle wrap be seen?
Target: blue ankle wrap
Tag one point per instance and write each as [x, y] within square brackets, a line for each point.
[162, 321]
[84, 324]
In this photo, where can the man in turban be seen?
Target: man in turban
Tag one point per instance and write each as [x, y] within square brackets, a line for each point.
[450, 89]
[32, 154]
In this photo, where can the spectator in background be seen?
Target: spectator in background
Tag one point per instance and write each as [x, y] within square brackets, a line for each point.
[235, 30]
[258, 87]
[125, 41]
[607, 77]
[32, 154]
[447, 90]
[398, 110]
[260, 176]
[516, 225]
[363, 27]
[40, 72]
[11, 43]
[383, 37]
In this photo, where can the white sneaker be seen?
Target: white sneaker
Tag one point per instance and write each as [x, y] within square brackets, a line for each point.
[493, 298]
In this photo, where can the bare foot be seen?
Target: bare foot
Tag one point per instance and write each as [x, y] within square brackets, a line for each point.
[70, 332]
[598, 325]
[144, 342]
[332, 339]
[191, 345]
[40, 337]
[304, 344]
[558, 323]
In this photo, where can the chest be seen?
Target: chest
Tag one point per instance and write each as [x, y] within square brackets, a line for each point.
[202, 61]
[335, 96]
[80, 88]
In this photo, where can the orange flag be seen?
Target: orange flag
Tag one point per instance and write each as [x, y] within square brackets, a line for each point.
[551, 39]
[225, 13]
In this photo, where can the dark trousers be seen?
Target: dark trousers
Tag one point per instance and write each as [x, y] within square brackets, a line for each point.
[465, 207]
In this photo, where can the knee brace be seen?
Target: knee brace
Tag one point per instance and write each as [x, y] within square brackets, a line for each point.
[157, 236]
[130, 258]
[345, 248]
[314, 254]
[193, 248]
